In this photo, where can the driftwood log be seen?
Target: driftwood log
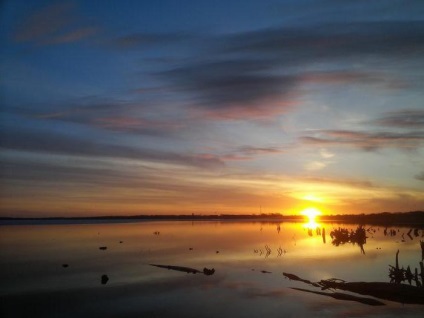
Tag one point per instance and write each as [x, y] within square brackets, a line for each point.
[402, 293]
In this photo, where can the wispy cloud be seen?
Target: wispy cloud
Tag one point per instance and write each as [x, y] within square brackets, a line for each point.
[73, 35]
[250, 152]
[111, 115]
[43, 141]
[353, 183]
[366, 140]
[345, 77]
[315, 166]
[233, 88]
[403, 118]
[326, 154]
[53, 24]
[137, 125]
[144, 39]
[257, 74]
[420, 176]
[323, 42]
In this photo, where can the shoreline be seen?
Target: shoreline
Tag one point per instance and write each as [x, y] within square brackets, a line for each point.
[415, 218]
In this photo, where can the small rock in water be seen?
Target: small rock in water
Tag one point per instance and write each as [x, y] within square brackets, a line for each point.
[121, 242]
[190, 248]
[103, 248]
[208, 271]
[65, 265]
[105, 279]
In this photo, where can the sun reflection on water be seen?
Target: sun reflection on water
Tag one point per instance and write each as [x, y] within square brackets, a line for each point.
[311, 225]
[311, 214]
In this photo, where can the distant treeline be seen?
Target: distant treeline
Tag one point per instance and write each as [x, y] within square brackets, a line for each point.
[385, 218]
[189, 217]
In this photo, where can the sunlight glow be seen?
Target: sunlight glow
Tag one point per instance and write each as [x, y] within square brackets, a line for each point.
[312, 197]
[311, 213]
[312, 225]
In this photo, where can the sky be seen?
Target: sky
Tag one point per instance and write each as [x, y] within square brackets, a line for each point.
[211, 107]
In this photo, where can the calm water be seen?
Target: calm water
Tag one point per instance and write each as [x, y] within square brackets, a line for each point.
[34, 282]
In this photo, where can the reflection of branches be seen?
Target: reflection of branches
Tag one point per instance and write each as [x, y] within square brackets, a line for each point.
[390, 232]
[399, 275]
[409, 234]
[413, 232]
[395, 273]
[323, 235]
[268, 251]
[422, 249]
[280, 251]
[258, 251]
[342, 236]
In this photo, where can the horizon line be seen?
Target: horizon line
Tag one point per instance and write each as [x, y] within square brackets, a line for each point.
[221, 215]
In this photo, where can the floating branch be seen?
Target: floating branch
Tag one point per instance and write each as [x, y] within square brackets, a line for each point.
[342, 296]
[184, 269]
[399, 275]
[297, 278]
[406, 294]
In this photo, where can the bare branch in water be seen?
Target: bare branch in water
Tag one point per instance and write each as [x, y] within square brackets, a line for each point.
[184, 269]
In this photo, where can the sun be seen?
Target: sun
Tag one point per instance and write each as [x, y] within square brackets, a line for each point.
[311, 214]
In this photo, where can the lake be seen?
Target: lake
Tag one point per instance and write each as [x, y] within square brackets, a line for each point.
[56, 270]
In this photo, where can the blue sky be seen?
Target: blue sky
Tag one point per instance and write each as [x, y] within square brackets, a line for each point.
[152, 107]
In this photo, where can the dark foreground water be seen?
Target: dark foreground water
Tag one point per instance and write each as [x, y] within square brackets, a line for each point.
[56, 270]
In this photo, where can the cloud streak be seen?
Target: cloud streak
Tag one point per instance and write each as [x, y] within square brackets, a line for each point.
[257, 74]
[403, 118]
[366, 140]
[420, 176]
[250, 152]
[52, 24]
[62, 144]
[113, 116]
[147, 40]
[232, 88]
[327, 41]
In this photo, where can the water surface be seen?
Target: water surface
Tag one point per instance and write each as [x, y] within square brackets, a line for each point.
[248, 257]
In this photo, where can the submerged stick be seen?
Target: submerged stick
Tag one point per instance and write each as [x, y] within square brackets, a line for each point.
[297, 278]
[342, 296]
[406, 294]
[184, 269]
[188, 270]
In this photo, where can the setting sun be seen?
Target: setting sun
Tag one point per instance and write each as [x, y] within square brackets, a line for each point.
[311, 213]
